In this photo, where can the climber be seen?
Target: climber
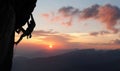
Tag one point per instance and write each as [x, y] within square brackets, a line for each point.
[20, 29]
[28, 31]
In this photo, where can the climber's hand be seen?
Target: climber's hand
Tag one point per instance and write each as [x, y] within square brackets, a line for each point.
[29, 36]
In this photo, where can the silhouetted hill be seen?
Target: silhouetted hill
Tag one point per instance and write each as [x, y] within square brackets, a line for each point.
[32, 53]
[20, 63]
[78, 60]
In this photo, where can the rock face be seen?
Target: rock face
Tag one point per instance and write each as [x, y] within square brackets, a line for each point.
[13, 15]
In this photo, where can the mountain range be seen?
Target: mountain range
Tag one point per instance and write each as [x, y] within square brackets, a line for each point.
[76, 60]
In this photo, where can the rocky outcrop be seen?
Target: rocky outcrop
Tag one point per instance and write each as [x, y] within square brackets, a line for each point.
[13, 15]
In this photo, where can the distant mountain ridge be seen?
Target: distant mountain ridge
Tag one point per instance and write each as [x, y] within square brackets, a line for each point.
[77, 60]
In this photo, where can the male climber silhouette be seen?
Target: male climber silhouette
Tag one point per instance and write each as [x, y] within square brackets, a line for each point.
[28, 31]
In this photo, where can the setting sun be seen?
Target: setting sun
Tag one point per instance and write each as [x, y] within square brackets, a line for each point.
[50, 46]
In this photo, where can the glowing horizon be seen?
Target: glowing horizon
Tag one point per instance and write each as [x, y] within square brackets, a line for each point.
[60, 26]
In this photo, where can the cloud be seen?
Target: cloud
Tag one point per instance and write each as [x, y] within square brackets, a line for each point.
[57, 38]
[46, 15]
[64, 16]
[99, 33]
[44, 33]
[62, 40]
[116, 41]
[107, 14]
[104, 32]
[89, 12]
[94, 33]
[68, 11]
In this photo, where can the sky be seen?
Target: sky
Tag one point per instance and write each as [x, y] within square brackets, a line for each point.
[69, 24]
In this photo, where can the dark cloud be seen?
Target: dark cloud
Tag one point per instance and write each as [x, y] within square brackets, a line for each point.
[64, 15]
[104, 32]
[116, 41]
[89, 12]
[107, 14]
[100, 33]
[94, 33]
[68, 11]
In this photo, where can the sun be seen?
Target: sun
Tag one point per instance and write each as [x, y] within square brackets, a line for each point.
[50, 46]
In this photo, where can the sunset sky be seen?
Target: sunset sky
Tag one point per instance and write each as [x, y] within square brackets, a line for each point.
[66, 24]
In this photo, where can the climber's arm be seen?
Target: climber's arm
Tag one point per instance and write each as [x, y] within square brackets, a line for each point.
[32, 17]
[28, 23]
[32, 20]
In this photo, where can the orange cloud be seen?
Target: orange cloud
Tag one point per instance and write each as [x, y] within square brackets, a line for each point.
[42, 39]
[61, 41]
[44, 33]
